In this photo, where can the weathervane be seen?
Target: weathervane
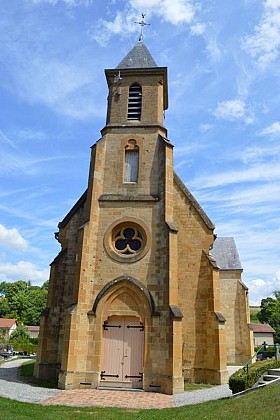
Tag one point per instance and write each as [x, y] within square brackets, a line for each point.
[142, 23]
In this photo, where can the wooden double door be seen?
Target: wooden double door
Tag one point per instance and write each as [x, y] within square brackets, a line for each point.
[122, 353]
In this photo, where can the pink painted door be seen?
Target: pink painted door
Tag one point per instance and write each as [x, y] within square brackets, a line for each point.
[122, 354]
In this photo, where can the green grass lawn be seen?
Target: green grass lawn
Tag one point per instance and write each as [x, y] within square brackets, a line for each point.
[26, 372]
[258, 405]
[195, 387]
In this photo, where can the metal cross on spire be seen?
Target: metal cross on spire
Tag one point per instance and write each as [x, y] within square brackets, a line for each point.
[142, 23]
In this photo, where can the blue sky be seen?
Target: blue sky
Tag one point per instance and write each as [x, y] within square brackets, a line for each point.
[223, 117]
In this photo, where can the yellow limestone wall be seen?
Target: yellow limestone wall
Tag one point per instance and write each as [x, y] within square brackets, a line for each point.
[235, 308]
[203, 338]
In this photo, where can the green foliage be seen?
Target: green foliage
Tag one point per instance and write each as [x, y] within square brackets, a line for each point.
[21, 341]
[270, 313]
[20, 335]
[28, 348]
[4, 338]
[241, 380]
[254, 311]
[22, 301]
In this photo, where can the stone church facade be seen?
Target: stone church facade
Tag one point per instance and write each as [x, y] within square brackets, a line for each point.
[139, 296]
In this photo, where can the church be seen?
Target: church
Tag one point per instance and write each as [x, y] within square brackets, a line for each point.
[142, 294]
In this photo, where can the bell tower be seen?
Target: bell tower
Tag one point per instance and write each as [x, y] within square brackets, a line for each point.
[137, 91]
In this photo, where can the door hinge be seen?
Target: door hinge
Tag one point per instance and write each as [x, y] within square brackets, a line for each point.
[102, 375]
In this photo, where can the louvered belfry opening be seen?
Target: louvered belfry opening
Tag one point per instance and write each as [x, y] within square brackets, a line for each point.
[134, 102]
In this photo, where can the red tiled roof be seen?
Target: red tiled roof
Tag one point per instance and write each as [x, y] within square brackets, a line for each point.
[261, 328]
[32, 327]
[6, 323]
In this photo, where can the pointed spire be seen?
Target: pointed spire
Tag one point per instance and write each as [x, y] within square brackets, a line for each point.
[138, 57]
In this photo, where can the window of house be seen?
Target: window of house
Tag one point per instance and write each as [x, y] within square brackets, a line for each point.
[131, 161]
[134, 102]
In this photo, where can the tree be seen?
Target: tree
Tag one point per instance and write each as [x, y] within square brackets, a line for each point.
[270, 313]
[22, 301]
[20, 335]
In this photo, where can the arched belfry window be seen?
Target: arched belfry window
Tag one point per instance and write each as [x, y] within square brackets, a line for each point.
[134, 102]
[131, 165]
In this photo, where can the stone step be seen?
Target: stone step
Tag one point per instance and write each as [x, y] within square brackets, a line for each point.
[262, 383]
[270, 377]
[275, 372]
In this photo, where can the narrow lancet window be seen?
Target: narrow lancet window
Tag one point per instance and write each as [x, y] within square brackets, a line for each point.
[131, 168]
[134, 102]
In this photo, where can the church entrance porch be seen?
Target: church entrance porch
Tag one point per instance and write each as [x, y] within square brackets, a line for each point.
[122, 352]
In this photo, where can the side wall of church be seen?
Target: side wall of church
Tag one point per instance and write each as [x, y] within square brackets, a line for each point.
[235, 308]
[204, 350]
[61, 298]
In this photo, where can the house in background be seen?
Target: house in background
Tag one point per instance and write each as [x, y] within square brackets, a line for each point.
[261, 333]
[33, 330]
[8, 325]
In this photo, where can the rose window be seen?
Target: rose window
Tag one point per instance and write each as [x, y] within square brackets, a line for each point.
[128, 240]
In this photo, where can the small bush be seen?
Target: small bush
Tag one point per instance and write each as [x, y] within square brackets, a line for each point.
[241, 380]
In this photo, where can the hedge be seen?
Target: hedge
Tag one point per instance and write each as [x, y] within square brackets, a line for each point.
[29, 348]
[242, 380]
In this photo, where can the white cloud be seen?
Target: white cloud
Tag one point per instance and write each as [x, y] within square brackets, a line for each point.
[264, 172]
[230, 110]
[176, 12]
[273, 129]
[264, 44]
[212, 48]
[198, 29]
[11, 238]
[23, 270]
[260, 289]
[204, 128]
[70, 3]
[256, 154]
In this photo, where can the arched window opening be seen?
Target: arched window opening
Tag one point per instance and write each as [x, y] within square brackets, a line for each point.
[134, 102]
[131, 162]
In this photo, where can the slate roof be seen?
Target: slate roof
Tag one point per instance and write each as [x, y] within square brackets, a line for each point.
[261, 328]
[225, 253]
[138, 57]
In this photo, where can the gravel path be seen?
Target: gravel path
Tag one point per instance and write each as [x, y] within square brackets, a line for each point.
[207, 394]
[202, 395]
[12, 387]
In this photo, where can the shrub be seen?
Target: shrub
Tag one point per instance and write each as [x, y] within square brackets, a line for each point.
[241, 380]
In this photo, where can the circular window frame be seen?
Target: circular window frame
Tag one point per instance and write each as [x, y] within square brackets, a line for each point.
[120, 225]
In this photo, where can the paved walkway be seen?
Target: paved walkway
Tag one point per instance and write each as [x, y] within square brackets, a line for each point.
[11, 386]
[102, 398]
